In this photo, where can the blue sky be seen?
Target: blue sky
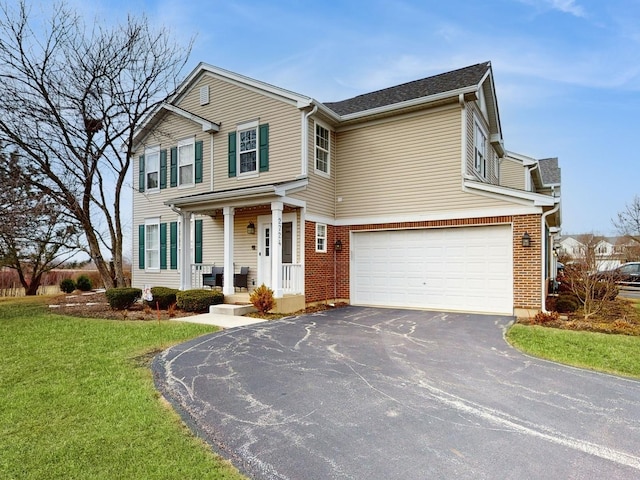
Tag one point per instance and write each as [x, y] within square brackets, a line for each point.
[567, 72]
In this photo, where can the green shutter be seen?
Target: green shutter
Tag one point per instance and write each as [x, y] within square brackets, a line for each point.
[198, 162]
[232, 154]
[198, 242]
[173, 245]
[163, 169]
[141, 170]
[264, 147]
[141, 247]
[173, 171]
[163, 246]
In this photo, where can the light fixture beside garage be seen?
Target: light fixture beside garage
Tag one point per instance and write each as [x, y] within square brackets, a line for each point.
[251, 229]
[338, 245]
[526, 240]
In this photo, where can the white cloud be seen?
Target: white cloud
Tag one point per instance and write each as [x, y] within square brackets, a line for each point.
[564, 6]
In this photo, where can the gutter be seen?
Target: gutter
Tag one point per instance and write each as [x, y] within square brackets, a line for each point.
[305, 141]
[543, 243]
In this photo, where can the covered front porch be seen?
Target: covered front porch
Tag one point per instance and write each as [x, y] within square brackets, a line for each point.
[248, 237]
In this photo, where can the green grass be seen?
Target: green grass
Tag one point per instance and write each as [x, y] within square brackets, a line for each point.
[77, 400]
[616, 354]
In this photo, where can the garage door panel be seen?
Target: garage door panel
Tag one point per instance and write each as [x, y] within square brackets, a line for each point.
[468, 268]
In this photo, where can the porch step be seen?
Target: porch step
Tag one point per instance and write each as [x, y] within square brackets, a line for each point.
[229, 309]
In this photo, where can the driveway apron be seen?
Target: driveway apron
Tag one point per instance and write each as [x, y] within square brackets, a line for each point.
[369, 393]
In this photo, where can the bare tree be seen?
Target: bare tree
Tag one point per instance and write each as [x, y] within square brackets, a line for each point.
[70, 101]
[35, 234]
[628, 221]
[582, 278]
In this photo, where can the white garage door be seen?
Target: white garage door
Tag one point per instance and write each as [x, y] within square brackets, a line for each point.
[465, 269]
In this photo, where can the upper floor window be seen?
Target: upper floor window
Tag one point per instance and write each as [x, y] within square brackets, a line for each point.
[249, 149]
[480, 150]
[322, 149]
[152, 167]
[185, 162]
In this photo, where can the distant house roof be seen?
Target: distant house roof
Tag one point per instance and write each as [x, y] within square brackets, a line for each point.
[549, 171]
[445, 82]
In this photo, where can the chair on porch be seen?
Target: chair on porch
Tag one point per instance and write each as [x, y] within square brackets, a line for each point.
[241, 280]
[213, 279]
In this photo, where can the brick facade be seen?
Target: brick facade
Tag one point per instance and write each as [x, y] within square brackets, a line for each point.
[327, 274]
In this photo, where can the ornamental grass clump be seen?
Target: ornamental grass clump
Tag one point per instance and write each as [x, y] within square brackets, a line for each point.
[262, 299]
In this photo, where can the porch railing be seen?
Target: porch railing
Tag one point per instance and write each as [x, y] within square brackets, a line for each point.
[197, 269]
[292, 278]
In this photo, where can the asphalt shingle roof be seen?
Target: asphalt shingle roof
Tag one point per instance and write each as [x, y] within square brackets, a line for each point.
[444, 82]
[549, 171]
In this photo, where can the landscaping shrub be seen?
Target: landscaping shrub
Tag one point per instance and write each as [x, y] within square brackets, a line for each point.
[566, 303]
[83, 283]
[163, 297]
[262, 299]
[122, 298]
[198, 300]
[67, 285]
[542, 317]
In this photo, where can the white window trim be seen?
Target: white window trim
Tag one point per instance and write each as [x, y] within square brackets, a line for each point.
[479, 167]
[148, 152]
[147, 223]
[183, 143]
[254, 124]
[316, 147]
[320, 226]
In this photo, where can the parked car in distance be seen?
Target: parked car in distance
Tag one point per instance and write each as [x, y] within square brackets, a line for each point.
[626, 274]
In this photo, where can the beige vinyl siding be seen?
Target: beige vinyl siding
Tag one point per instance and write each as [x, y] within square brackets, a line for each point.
[473, 111]
[410, 166]
[231, 105]
[320, 193]
[512, 174]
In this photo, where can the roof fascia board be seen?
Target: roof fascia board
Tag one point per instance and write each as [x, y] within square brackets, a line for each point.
[409, 103]
[537, 199]
[207, 126]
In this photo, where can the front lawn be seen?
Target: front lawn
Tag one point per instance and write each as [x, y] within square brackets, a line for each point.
[77, 400]
[617, 354]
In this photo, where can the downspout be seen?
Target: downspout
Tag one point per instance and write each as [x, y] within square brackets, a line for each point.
[305, 141]
[543, 243]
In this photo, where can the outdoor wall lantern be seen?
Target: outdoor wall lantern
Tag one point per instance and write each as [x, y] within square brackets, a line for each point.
[526, 240]
[251, 229]
[337, 246]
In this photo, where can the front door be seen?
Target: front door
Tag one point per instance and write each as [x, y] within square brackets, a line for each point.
[266, 241]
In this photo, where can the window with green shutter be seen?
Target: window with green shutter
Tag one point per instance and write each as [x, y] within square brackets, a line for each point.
[173, 245]
[249, 149]
[141, 174]
[198, 242]
[163, 246]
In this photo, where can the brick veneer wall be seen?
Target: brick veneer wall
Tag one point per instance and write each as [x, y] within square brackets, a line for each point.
[327, 274]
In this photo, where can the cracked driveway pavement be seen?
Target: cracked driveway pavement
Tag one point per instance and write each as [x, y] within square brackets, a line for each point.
[369, 393]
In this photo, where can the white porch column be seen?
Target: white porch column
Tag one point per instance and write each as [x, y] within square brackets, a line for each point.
[185, 251]
[227, 287]
[276, 249]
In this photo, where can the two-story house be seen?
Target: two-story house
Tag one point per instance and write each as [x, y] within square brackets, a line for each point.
[402, 197]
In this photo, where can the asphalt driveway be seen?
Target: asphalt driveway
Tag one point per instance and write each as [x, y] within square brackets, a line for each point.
[367, 393]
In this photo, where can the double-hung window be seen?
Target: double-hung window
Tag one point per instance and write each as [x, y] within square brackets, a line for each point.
[152, 244]
[480, 150]
[248, 148]
[186, 158]
[152, 167]
[321, 237]
[322, 149]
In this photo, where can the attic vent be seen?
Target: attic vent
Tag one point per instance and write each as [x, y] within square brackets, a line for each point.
[204, 95]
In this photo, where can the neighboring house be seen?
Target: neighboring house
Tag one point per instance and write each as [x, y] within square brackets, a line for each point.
[609, 252]
[391, 198]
